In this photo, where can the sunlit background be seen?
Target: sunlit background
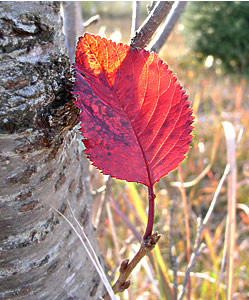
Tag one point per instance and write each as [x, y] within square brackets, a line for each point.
[209, 51]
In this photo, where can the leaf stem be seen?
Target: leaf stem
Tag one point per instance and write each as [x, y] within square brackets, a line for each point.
[150, 223]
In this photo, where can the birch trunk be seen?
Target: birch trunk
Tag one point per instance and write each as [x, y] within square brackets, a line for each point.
[41, 161]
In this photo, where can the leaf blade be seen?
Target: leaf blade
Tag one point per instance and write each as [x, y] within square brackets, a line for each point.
[134, 114]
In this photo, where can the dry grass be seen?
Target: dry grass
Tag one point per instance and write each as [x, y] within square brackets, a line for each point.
[214, 98]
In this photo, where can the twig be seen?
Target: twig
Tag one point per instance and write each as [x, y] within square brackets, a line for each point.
[92, 20]
[151, 6]
[126, 267]
[167, 27]
[172, 250]
[135, 16]
[144, 34]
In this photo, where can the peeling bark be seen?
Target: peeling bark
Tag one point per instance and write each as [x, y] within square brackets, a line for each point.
[41, 162]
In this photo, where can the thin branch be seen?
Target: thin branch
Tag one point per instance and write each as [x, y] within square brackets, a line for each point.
[93, 20]
[135, 16]
[127, 267]
[144, 34]
[168, 26]
[151, 6]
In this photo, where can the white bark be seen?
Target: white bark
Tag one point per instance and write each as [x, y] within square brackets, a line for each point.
[41, 161]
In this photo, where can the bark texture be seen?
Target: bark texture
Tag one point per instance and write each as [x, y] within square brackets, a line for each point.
[41, 162]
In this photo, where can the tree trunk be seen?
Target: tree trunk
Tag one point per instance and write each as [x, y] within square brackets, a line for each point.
[41, 162]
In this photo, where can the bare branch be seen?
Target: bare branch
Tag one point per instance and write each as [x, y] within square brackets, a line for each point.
[168, 26]
[127, 267]
[144, 34]
[135, 16]
[92, 20]
[151, 6]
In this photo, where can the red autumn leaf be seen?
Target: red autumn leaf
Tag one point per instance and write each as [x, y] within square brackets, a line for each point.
[135, 116]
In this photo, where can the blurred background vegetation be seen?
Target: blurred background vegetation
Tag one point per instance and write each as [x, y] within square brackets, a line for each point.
[219, 30]
[209, 51]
